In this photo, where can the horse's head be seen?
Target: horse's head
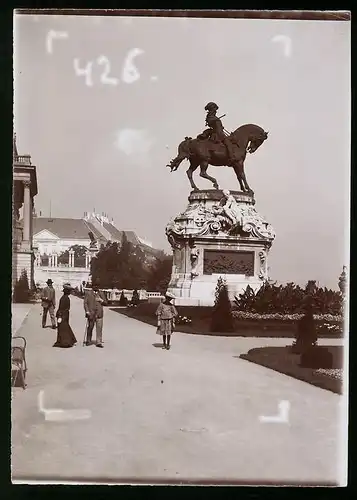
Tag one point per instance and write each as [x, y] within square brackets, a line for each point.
[256, 141]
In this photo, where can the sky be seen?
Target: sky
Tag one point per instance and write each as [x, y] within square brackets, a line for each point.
[101, 104]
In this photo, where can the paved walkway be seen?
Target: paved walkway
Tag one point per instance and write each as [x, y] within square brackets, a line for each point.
[19, 314]
[188, 413]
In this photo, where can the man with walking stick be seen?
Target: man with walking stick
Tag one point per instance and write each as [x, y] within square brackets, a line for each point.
[94, 300]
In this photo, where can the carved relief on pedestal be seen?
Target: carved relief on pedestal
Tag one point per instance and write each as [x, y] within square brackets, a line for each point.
[228, 262]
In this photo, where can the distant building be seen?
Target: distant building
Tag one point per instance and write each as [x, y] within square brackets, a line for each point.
[53, 236]
[24, 192]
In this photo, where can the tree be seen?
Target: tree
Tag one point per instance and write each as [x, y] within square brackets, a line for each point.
[222, 319]
[105, 267]
[160, 274]
[21, 288]
[120, 266]
[246, 300]
[79, 255]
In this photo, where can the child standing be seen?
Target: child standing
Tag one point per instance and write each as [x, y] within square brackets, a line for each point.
[166, 314]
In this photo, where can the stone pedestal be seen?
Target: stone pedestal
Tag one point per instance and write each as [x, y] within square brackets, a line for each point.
[218, 234]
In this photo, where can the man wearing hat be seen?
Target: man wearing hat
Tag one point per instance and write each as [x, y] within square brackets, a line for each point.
[216, 125]
[94, 300]
[48, 298]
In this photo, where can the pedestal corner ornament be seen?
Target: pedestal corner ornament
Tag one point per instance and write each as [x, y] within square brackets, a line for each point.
[220, 233]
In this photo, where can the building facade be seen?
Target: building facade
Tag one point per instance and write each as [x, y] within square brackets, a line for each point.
[54, 236]
[24, 192]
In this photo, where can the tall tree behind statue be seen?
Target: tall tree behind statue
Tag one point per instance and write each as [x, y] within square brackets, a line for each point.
[120, 265]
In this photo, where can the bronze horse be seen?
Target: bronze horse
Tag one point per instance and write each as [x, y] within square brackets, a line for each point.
[202, 152]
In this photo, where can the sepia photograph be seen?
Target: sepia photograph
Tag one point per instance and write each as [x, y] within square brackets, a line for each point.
[180, 247]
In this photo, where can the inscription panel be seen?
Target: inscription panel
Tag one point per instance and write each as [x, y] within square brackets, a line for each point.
[228, 262]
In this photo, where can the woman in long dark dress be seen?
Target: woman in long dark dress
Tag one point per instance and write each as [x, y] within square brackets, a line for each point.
[65, 335]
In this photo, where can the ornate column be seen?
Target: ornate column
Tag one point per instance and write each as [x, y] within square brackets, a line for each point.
[32, 207]
[55, 260]
[27, 213]
[71, 258]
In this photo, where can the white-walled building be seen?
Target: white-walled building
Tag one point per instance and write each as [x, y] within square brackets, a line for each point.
[52, 236]
[24, 192]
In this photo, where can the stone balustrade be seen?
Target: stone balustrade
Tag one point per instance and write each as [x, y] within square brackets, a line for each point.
[23, 159]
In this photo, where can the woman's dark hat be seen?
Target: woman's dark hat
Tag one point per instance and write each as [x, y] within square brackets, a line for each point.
[49, 282]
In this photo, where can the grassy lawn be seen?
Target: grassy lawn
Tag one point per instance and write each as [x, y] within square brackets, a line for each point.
[283, 360]
[201, 320]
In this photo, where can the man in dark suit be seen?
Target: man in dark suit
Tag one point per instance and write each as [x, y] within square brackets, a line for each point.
[94, 300]
[48, 298]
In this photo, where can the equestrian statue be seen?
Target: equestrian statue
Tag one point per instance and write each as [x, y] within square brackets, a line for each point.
[214, 146]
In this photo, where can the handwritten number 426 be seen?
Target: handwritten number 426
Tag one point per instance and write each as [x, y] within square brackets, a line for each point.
[129, 74]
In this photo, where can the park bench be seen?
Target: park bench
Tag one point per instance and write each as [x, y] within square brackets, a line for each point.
[18, 360]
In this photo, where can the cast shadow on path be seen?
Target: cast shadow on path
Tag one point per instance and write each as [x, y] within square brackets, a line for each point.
[158, 345]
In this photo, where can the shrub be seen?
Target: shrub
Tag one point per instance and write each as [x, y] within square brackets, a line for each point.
[21, 289]
[123, 301]
[306, 335]
[222, 319]
[135, 298]
[289, 299]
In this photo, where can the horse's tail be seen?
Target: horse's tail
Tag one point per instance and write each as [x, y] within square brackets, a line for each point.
[183, 154]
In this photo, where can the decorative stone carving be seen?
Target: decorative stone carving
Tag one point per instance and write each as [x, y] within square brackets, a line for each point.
[263, 273]
[228, 218]
[194, 261]
[218, 233]
[93, 242]
[174, 231]
[256, 225]
[228, 262]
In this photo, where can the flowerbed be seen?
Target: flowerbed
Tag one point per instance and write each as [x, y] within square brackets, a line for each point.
[183, 320]
[284, 317]
[198, 322]
[336, 373]
[283, 360]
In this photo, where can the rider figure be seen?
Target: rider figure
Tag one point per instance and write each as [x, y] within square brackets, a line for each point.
[216, 125]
